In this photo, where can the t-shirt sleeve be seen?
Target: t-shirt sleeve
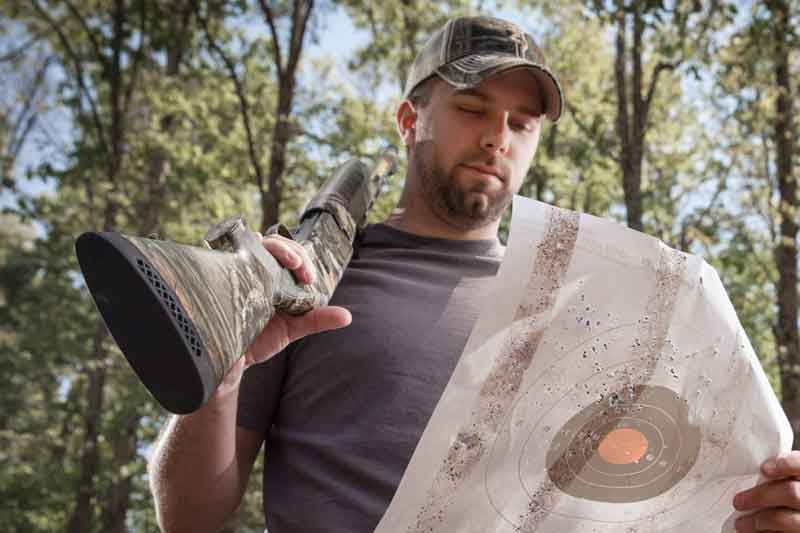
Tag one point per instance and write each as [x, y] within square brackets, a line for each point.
[260, 393]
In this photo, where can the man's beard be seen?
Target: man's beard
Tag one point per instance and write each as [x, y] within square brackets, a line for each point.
[461, 208]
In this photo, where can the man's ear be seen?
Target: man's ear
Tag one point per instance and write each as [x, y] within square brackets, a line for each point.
[406, 119]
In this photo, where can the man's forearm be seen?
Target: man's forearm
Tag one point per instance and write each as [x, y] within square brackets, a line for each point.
[194, 472]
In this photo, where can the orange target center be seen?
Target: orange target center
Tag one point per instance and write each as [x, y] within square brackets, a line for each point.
[623, 446]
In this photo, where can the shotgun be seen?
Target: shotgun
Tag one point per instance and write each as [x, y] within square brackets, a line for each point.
[182, 315]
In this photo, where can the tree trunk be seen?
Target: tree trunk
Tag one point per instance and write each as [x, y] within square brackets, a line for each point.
[81, 519]
[282, 132]
[116, 506]
[411, 29]
[633, 106]
[787, 337]
[117, 502]
[158, 167]
[630, 153]
[281, 135]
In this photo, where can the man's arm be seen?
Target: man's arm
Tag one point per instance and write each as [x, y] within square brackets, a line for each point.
[202, 462]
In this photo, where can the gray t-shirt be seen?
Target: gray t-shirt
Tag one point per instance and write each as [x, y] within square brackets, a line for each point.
[342, 411]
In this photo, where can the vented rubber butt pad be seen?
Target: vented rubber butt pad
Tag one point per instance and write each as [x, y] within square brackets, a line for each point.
[147, 321]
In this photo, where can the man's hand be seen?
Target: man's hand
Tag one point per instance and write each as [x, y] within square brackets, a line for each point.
[283, 329]
[776, 502]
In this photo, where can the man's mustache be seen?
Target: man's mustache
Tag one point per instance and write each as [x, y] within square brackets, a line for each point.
[493, 165]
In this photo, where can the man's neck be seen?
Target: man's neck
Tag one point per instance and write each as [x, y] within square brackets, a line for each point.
[427, 224]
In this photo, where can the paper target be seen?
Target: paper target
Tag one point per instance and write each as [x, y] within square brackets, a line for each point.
[609, 389]
[625, 448]
[609, 438]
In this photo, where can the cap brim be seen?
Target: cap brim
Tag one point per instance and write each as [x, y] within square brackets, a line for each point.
[471, 70]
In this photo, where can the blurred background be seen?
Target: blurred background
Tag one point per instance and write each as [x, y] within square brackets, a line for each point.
[163, 117]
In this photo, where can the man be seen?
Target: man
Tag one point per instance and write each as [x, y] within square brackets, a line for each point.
[341, 411]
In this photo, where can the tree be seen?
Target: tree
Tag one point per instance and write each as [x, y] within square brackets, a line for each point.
[787, 335]
[677, 31]
[755, 81]
[286, 54]
[106, 87]
[27, 64]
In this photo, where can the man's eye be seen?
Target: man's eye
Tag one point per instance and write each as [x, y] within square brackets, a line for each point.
[470, 110]
[526, 124]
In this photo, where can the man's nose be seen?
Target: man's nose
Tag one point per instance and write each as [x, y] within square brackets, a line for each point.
[496, 135]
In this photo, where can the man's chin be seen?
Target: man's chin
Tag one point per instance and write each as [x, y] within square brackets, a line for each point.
[475, 210]
[477, 205]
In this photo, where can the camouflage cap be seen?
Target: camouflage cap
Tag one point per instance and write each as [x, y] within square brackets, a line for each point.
[468, 50]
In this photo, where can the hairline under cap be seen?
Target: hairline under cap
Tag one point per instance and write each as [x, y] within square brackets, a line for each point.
[533, 69]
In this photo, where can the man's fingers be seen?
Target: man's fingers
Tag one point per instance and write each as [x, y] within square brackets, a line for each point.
[782, 493]
[317, 320]
[291, 255]
[281, 250]
[283, 329]
[769, 520]
[784, 465]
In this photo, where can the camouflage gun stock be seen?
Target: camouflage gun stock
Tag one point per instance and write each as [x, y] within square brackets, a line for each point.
[182, 315]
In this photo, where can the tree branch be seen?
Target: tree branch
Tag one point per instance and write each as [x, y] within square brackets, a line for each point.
[73, 56]
[589, 133]
[89, 33]
[17, 52]
[244, 106]
[276, 49]
[115, 83]
[619, 71]
[410, 30]
[137, 59]
[721, 187]
[298, 33]
[298, 130]
[651, 89]
[639, 110]
[17, 139]
[771, 185]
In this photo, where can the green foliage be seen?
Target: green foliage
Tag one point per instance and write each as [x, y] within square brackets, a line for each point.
[746, 93]
[398, 29]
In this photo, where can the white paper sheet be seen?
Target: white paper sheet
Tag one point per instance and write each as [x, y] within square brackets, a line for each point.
[608, 386]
